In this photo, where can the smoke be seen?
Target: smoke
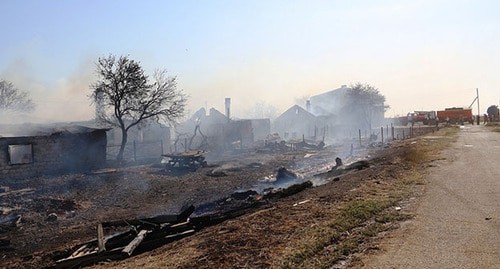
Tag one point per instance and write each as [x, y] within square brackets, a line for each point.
[277, 83]
[63, 100]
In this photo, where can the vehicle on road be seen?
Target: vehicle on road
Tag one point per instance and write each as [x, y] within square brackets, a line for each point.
[425, 117]
[456, 115]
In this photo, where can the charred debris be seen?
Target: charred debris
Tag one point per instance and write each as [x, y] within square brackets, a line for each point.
[120, 239]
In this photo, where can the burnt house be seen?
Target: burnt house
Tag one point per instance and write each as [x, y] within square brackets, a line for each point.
[152, 132]
[329, 103]
[34, 150]
[239, 132]
[295, 123]
[338, 118]
[144, 141]
[216, 131]
[201, 131]
[261, 128]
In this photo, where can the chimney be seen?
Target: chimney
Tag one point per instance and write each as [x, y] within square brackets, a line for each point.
[228, 108]
[308, 106]
[99, 105]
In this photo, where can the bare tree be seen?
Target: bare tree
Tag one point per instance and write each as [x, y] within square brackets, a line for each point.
[262, 109]
[11, 98]
[365, 104]
[126, 98]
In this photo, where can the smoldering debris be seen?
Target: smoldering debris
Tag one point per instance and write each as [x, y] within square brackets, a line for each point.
[143, 235]
[216, 173]
[284, 175]
[9, 221]
[338, 171]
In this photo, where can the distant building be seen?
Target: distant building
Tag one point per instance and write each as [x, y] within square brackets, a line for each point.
[329, 103]
[206, 122]
[153, 132]
[143, 141]
[35, 150]
[295, 123]
[261, 128]
[216, 131]
[339, 118]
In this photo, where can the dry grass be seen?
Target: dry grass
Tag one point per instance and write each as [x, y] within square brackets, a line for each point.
[356, 222]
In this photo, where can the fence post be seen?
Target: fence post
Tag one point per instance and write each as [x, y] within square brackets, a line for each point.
[382, 133]
[135, 152]
[161, 143]
[392, 131]
[404, 134]
[359, 131]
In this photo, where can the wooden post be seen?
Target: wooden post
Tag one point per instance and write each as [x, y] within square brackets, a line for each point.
[404, 134]
[161, 144]
[360, 137]
[392, 131]
[135, 152]
[100, 238]
[382, 134]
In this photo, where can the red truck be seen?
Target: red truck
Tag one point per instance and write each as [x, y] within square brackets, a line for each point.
[425, 117]
[456, 115]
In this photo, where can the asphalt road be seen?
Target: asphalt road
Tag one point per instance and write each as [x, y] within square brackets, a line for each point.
[457, 223]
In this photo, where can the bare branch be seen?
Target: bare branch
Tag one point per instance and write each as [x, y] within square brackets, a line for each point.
[14, 99]
[129, 99]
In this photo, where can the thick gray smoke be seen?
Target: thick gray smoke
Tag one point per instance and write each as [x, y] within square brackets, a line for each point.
[63, 100]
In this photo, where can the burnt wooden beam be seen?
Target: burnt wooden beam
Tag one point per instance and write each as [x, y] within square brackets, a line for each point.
[89, 259]
[293, 189]
[129, 249]
[100, 238]
[154, 221]
[153, 243]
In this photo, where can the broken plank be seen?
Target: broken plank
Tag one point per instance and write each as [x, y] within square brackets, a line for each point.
[100, 238]
[185, 213]
[180, 235]
[79, 252]
[154, 221]
[20, 191]
[116, 240]
[129, 249]
[89, 259]
[148, 245]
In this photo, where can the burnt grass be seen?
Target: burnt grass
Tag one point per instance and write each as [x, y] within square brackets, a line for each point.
[265, 237]
[81, 201]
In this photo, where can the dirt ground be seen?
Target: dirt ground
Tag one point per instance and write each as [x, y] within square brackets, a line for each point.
[81, 201]
[261, 239]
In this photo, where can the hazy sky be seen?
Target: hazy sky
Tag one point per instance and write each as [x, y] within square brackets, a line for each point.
[420, 54]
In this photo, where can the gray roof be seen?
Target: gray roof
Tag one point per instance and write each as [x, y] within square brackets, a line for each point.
[27, 129]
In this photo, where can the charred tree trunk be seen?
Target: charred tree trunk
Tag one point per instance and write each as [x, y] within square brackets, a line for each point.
[119, 157]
